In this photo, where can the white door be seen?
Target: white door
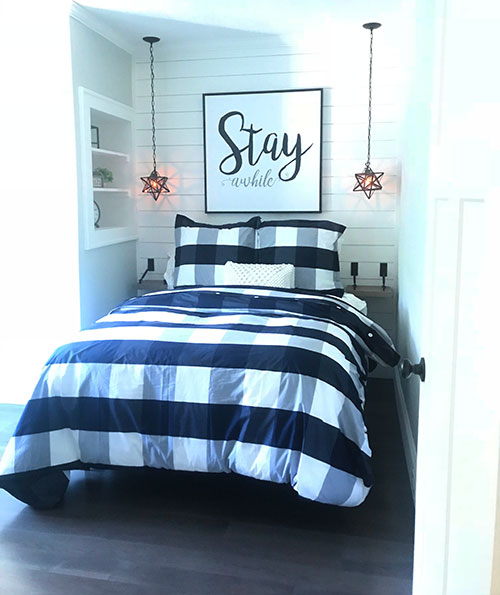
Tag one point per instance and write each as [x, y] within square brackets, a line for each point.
[458, 441]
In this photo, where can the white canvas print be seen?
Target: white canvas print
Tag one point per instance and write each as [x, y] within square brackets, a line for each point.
[263, 151]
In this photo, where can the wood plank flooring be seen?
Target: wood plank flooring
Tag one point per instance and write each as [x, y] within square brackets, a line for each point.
[175, 533]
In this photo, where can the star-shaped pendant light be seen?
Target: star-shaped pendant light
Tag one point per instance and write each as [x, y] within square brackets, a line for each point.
[368, 181]
[154, 184]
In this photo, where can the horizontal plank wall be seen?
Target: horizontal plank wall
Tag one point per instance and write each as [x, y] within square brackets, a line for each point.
[107, 273]
[182, 75]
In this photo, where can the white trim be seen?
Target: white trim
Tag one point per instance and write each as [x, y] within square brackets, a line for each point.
[409, 445]
[111, 153]
[98, 237]
[84, 16]
[106, 104]
[255, 42]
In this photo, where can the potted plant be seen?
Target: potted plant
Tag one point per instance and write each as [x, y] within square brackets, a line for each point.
[101, 176]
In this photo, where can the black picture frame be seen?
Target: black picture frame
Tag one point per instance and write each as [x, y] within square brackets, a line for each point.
[272, 114]
[94, 137]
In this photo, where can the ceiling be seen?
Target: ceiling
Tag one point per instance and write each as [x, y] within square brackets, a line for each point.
[188, 21]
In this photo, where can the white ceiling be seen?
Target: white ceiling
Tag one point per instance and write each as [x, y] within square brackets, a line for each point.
[188, 21]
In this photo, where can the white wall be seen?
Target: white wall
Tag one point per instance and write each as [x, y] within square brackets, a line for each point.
[107, 274]
[495, 579]
[339, 64]
[39, 248]
[415, 149]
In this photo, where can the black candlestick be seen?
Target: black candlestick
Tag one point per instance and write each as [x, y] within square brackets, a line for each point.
[151, 267]
[354, 273]
[383, 273]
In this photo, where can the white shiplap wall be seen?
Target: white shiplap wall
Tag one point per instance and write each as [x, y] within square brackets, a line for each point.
[182, 75]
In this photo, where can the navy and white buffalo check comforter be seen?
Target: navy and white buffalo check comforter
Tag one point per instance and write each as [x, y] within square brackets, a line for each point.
[264, 383]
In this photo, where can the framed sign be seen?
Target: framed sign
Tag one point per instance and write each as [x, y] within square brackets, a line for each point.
[263, 151]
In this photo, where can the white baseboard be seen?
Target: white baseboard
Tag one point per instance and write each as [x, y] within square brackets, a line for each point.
[409, 445]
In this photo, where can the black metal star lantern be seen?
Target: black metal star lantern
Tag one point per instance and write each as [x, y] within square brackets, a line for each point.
[154, 184]
[368, 181]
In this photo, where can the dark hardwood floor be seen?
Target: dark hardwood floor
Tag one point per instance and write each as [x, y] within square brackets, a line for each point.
[196, 534]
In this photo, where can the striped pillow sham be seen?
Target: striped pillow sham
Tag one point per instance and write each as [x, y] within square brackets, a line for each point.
[310, 245]
[202, 250]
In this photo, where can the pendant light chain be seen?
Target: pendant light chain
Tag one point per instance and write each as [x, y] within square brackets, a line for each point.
[153, 106]
[368, 181]
[367, 164]
[154, 184]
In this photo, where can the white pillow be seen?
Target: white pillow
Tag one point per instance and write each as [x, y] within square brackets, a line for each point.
[260, 275]
[353, 300]
[169, 273]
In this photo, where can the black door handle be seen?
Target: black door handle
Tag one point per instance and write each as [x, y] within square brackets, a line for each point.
[407, 368]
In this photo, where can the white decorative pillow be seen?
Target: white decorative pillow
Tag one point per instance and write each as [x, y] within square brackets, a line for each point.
[169, 272]
[259, 275]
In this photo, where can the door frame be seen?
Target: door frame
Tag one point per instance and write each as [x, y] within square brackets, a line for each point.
[458, 438]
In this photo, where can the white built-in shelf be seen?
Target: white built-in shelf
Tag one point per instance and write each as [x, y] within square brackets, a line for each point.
[106, 236]
[96, 151]
[115, 122]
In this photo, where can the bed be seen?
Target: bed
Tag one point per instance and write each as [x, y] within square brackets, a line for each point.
[262, 381]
